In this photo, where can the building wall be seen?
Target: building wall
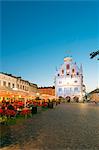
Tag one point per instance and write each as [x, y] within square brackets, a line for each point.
[17, 83]
[7, 81]
[47, 90]
[33, 88]
[69, 80]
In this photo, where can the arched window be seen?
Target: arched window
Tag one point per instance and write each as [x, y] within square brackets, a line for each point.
[62, 71]
[73, 70]
[67, 66]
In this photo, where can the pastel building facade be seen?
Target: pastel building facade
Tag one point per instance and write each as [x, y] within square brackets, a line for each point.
[16, 83]
[69, 80]
[47, 90]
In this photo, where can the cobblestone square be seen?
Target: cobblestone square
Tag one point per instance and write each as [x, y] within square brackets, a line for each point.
[66, 127]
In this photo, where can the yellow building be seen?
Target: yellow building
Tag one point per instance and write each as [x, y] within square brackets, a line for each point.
[16, 84]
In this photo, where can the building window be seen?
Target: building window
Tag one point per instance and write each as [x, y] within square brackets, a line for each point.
[4, 83]
[67, 74]
[67, 91]
[60, 82]
[67, 66]
[18, 86]
[9, 84]
[60, 90]
[58, 74]
[62, 71]
[23, 87]
[76, 89]
[77, 73]
[13, 85]
[73, 70]
[70, 89]
[75, 81]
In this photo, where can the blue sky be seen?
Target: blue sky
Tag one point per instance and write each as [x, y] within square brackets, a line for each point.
[36, 35]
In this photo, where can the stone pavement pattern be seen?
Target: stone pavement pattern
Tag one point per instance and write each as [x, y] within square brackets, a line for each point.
[66, 127]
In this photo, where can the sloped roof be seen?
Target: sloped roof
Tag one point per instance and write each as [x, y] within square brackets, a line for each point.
[94, 91]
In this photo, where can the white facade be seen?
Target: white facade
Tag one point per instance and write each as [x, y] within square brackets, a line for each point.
[69, 80]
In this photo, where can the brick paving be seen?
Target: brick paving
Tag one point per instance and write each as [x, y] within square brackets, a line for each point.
[66, 127]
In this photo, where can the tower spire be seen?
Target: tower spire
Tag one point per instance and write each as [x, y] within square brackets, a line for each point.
[81, 69]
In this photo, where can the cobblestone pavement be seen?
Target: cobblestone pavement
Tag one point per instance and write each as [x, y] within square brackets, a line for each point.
[66, 127]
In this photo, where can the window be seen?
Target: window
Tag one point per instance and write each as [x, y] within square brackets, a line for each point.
[75, 81]
[60, 82]
[58, 74]
[60, 90]
[9, 84]
[67, 66]
[67, 91]
[23, 87]
[77, 73]
[76, 89]
[71, 89]
[62, 71]
[13, 85]
[18, 86]
[73, 70]
[4, 83]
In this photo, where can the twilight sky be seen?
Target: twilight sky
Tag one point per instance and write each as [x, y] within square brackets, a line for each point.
[35, 37]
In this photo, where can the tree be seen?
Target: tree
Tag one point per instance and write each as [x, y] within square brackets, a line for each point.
[94, 54]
